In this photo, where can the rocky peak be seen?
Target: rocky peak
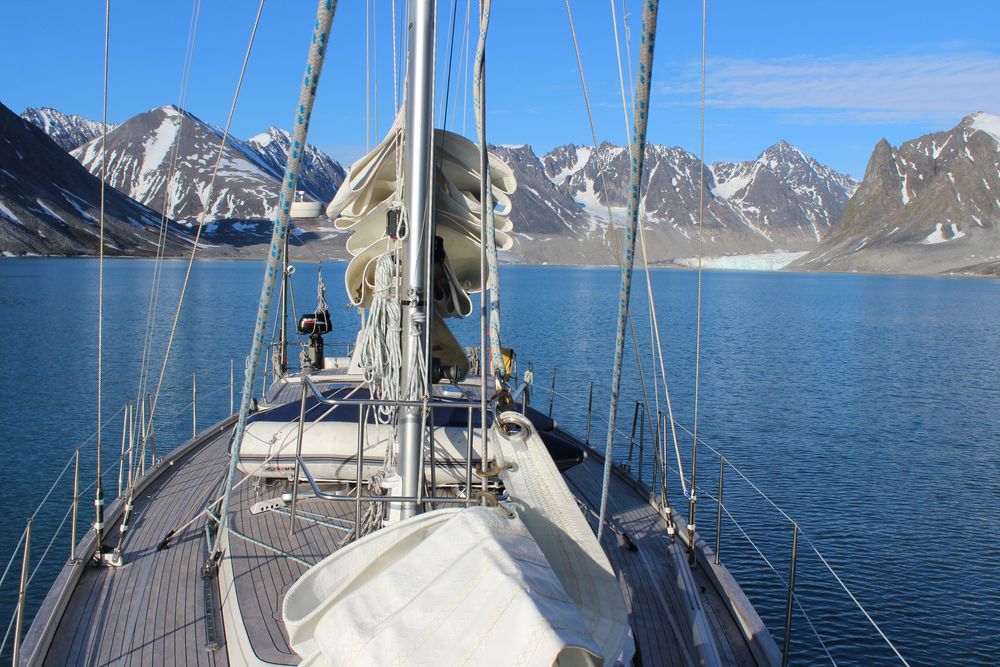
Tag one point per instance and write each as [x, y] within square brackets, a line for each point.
[67, 130]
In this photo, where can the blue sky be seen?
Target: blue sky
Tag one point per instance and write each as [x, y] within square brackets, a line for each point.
[831, 79]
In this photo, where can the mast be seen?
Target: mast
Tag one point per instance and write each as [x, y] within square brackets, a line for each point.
[418, 205]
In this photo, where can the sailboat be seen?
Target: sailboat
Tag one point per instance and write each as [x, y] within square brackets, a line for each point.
[403, 503]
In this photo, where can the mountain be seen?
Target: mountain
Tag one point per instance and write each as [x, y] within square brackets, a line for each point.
[785, 193]
[321, 175]
[50, 204]
[67, 130]
[783, 201]
[930, 206]
[170, 143]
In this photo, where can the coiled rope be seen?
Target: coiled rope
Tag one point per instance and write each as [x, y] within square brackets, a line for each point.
[380, 354]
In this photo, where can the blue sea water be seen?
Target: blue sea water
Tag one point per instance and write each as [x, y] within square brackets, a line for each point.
[865, 407]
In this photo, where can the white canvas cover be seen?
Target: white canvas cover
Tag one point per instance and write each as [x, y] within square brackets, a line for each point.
[550, 512]
[449, 587]
[370, 191]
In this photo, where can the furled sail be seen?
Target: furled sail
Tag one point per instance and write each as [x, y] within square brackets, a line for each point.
[449, 587]
[372, 190]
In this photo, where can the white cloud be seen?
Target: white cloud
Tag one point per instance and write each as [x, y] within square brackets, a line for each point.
[877, 89]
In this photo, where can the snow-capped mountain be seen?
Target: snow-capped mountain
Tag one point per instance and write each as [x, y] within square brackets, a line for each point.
[785, 192]
[321, 175]
[783, 200]
[49, 204]
[932, 205]
[67, 130]
[165, 157]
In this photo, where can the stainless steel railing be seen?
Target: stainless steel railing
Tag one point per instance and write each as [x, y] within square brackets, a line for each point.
[134, 455]
[633, 466]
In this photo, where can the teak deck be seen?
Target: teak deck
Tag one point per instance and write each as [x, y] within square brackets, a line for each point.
[153, 610]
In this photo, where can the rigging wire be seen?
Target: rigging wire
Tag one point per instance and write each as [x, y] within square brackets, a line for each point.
[395, 71]
[175, 151]
[628, 52]
[307, 97]
[451, 53]
[654, 325]
[461, 76]
[693, 498]
[201, 218]
[468, 69]
[99, 495]
[368, 85]
[607, 200]
[650, 11]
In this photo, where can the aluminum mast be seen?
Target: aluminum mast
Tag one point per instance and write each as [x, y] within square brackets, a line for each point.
[418, 204]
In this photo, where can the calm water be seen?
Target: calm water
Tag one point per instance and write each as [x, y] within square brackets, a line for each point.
[864, 406]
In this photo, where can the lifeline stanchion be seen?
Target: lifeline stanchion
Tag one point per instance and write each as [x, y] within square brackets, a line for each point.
[76, 507]
[642, 440]
[298, 459]
[152, 433]
[718, 508]
[22, 593]
[631, 438]
[121, 457]
[194, 404]
[791, 595]
[552, 391]
[590, 405]
[230, 386]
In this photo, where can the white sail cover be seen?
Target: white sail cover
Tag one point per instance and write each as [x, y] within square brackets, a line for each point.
[449, 587]
[565, 537]
[371, 191]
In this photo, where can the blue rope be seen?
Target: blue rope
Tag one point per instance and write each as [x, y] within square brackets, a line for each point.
[307, 96]
[641, 115]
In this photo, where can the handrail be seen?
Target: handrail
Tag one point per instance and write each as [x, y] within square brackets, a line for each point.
[726, 461]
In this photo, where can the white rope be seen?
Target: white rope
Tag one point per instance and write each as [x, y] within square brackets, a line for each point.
[654, 325]
[379, 353]
[614, 239]
[497, 369]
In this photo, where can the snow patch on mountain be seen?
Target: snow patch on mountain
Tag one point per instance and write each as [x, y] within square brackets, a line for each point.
[988, 123]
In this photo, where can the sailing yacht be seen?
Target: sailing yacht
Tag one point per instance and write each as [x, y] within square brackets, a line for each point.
[402, 503]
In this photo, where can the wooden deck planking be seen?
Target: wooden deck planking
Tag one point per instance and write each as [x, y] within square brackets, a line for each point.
[659, 631]
[263, 577]
[151, 610]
